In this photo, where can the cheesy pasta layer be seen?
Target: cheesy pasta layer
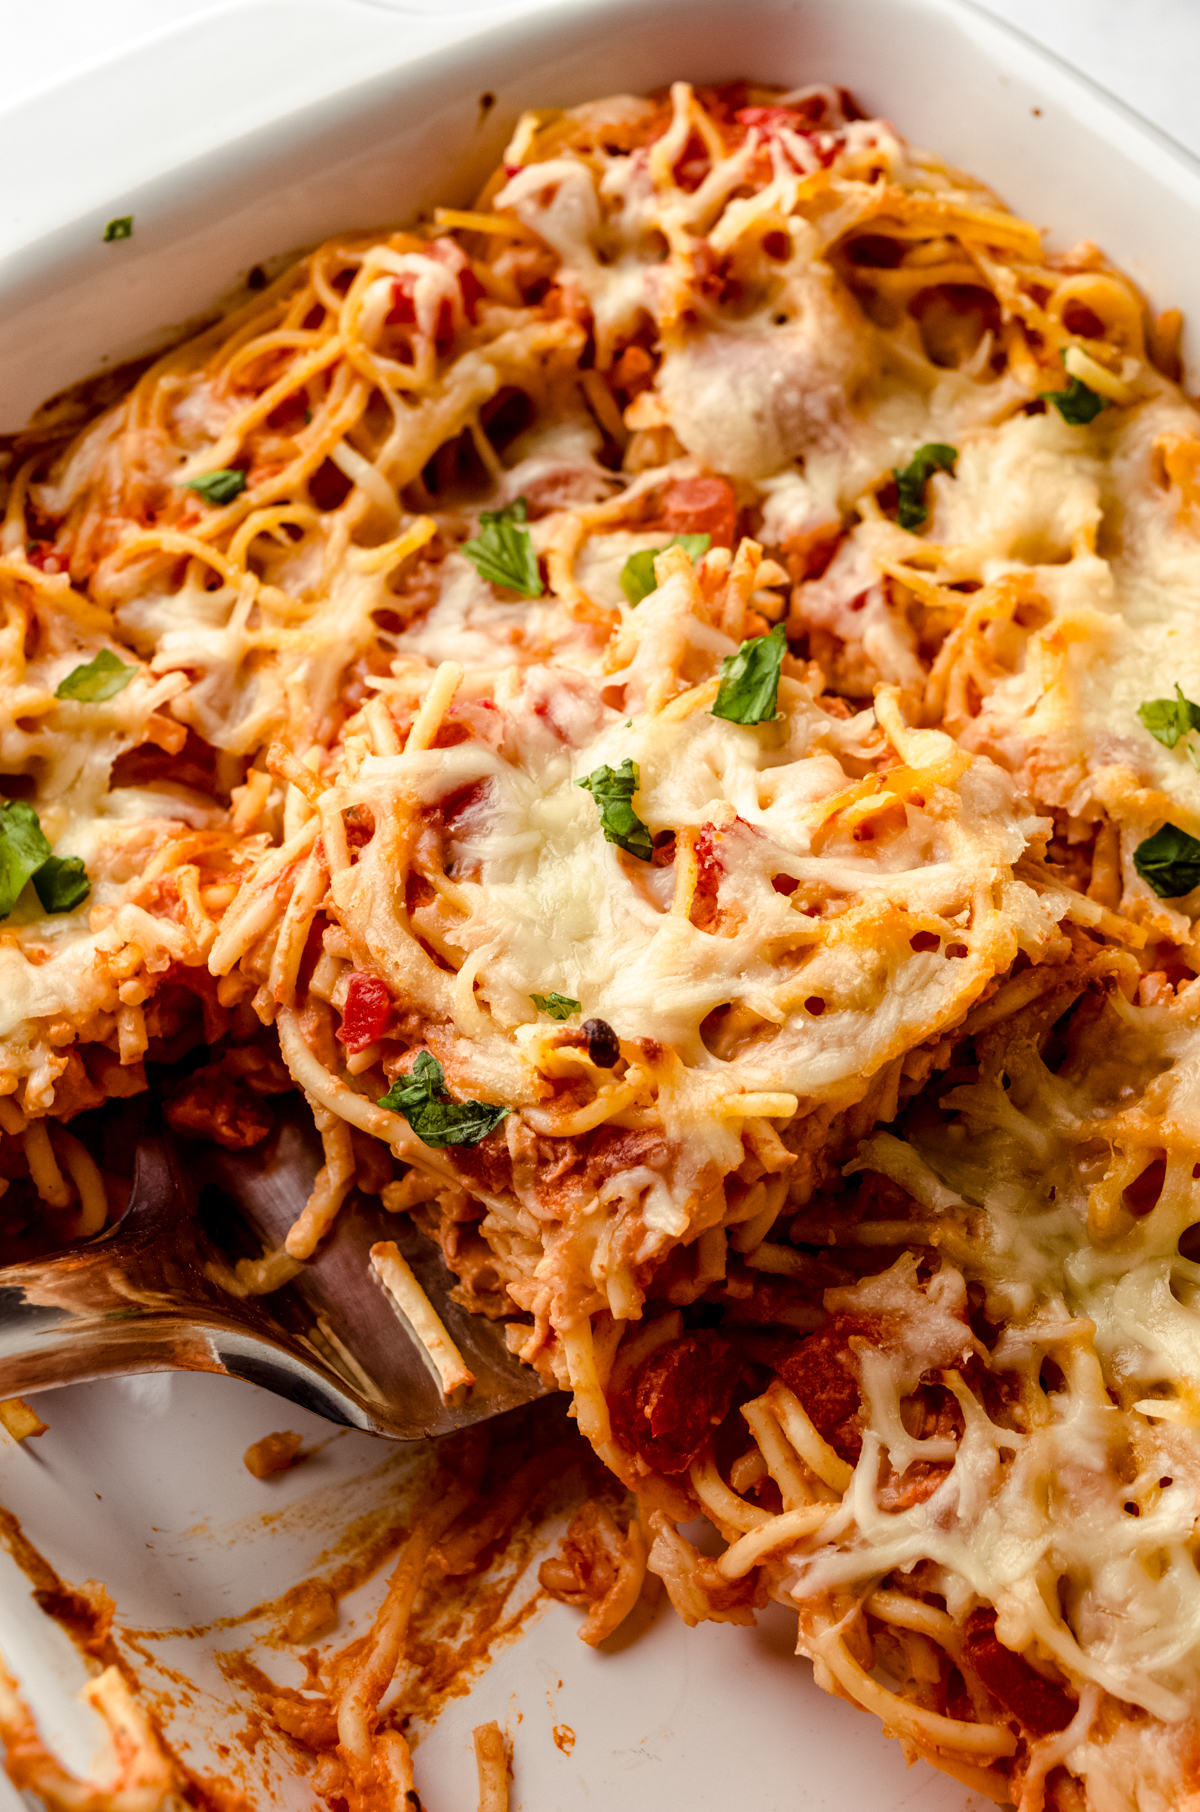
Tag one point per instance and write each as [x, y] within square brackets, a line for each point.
[666, 704]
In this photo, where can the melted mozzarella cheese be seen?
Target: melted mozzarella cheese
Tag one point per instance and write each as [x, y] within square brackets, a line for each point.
[1151, 647]
[557, 199]
[748, 400]
[602, 561]
[1079, 510]
[64, 751]
[469, 623]
[1025, 491]
[552, 906]
[1020, 1511]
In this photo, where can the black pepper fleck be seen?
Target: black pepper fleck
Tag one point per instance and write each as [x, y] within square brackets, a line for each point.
[603, 1046]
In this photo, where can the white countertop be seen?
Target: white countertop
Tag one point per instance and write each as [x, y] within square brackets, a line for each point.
[1144, 51]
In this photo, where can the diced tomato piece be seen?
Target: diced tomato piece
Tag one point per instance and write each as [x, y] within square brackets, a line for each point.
[472, 290]
[1038, 1704]
[767, 117]
[918, 1482]
[709, 869]
[633, 371]
[668, 1410]
[701, 506]
[811, 126]
[817, 1370]
[403, 311]
[465, 803]
[367, 1012]
[42, 555]
[709, 866]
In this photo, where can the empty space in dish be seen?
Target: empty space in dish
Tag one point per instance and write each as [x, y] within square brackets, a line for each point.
[141, 1485]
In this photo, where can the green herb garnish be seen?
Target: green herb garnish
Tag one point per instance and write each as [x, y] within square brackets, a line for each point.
[503, 551]
[61, 883]
[637, 574]
[749, 689]
[1077, 404]
[1169, 719]
[437, 1120]
[613, 790]
[221, 486]
[121, 228]
[25, 855]
[1169, 862]
[912, 479]
[101, 678]
[23, 849]
[559, 1006]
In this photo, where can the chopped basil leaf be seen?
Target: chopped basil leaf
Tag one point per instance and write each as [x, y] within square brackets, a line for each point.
[613, 790]
[911, 480]
[101, 678]
[221, 486]
[61, 883]
[437, 1120]
[1077, 404]
[1167, 719]
[503, 552]
[749, 689]
[557, 1005]
[1169, 862]
[23, 850]
[637, 574]
[121, 228]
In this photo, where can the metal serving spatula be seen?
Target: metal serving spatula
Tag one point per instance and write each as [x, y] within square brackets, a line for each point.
[146, 1297]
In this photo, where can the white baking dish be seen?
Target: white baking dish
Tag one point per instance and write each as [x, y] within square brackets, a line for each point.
[375, 148]
[140, 1484]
